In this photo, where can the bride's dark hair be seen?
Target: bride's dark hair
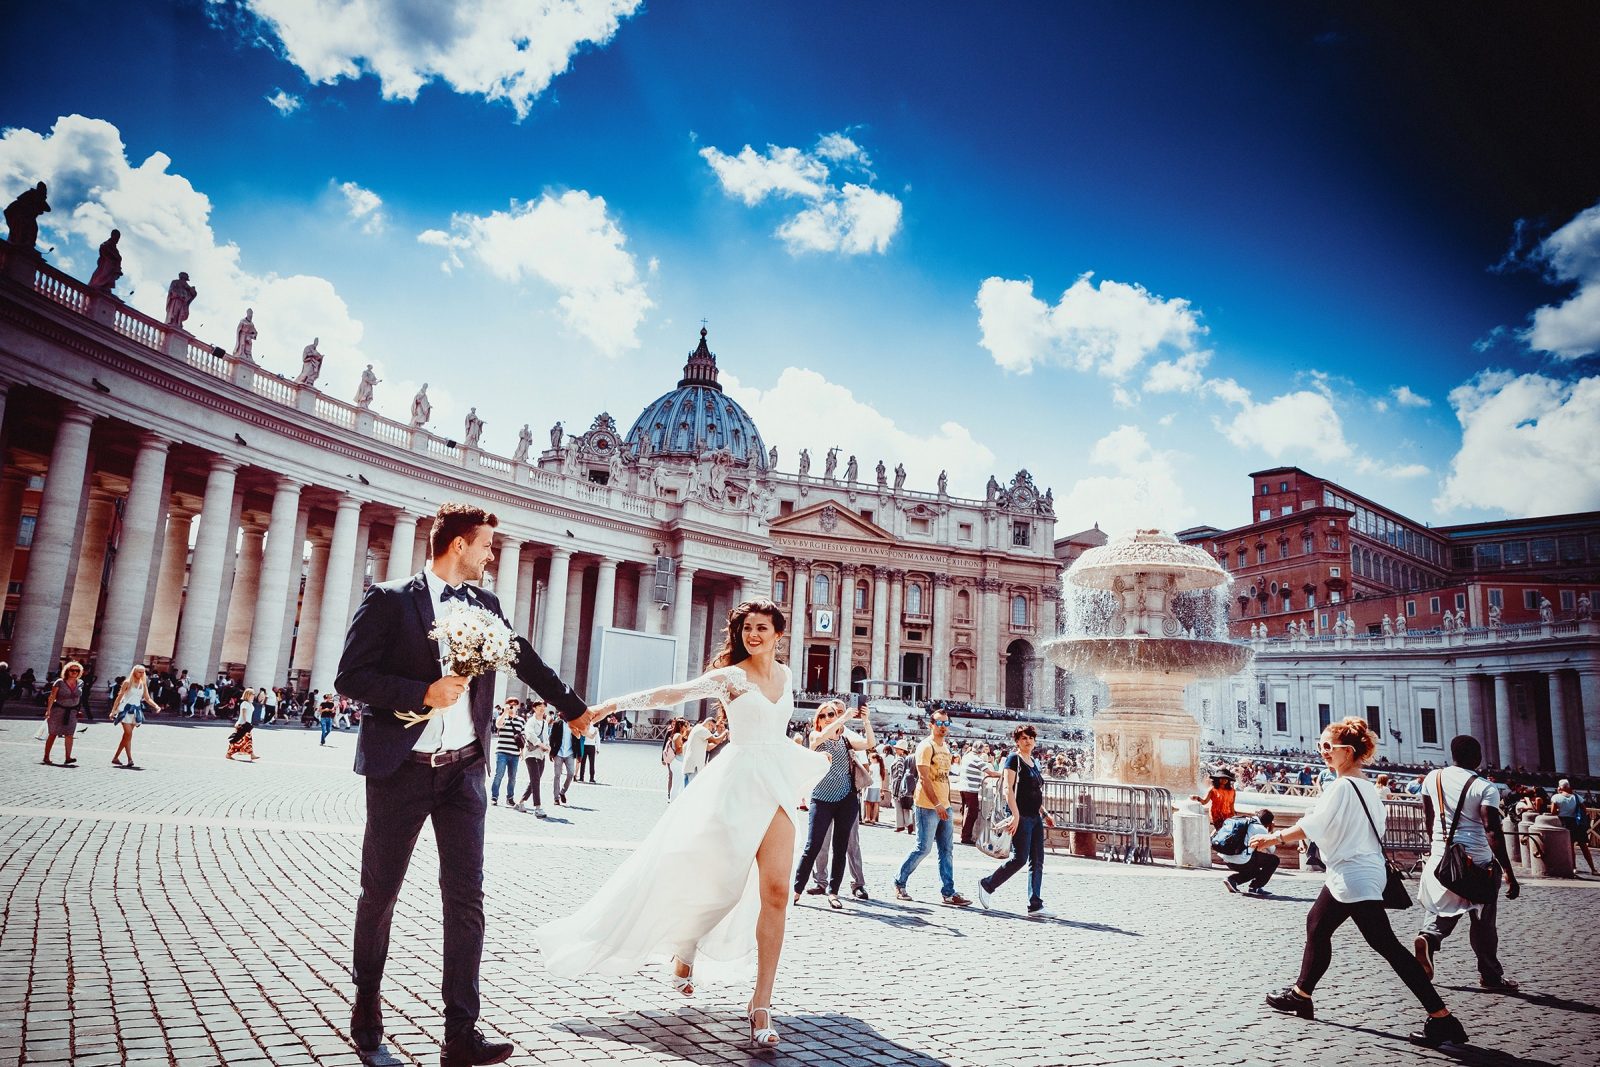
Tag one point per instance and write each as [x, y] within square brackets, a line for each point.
[733, 650]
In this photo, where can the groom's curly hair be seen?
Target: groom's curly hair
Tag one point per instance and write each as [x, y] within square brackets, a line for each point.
[456, 520]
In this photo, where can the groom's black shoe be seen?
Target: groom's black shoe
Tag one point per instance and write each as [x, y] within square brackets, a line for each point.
[366, 1022]
[472, 1049]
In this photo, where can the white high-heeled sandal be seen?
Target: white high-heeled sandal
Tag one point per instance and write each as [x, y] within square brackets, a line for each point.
[683, 983]
[764, 1036]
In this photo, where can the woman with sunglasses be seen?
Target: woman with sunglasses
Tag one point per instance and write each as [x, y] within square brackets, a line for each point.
[61, 707]
[835, 804]
[1347, 825]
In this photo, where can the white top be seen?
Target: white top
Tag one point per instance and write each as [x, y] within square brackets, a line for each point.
[1255, 830]
[694, 750]
[453, 729]
[1470, 831]
[1564, 804]
[1350, 848]
[134, 694]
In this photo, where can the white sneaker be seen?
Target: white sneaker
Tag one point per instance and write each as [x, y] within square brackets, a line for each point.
[540, 813]
[1041, 913]
[985, 901]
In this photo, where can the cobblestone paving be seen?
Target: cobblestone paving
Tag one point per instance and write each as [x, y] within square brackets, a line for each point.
[199, 912]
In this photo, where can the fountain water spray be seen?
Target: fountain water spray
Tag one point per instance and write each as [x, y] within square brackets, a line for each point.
[1147, 615]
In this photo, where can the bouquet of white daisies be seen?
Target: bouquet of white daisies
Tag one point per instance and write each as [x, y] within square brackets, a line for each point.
[476, 641]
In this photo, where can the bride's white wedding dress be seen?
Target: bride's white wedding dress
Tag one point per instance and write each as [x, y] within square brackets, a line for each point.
[690, 889]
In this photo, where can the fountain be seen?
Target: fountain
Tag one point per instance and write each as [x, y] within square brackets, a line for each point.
[1145, 616]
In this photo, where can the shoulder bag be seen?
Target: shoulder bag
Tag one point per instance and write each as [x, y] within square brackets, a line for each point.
[1456, 870]
[1395, 895]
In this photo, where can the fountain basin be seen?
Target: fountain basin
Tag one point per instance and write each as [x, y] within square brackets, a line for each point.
[1148, 553]
[1192, 657]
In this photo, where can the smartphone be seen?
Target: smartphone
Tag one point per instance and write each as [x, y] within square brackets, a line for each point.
[858, 700]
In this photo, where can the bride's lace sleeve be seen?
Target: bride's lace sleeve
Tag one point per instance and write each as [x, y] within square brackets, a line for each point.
[724, 684]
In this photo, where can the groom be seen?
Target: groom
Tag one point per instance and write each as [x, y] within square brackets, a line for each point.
[430, 769]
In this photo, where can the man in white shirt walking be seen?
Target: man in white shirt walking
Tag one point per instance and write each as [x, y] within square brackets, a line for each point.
[701, 741]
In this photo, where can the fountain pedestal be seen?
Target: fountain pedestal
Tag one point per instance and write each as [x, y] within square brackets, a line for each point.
[1145, 737]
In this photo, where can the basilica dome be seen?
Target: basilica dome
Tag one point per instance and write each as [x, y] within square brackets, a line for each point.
[696, 417]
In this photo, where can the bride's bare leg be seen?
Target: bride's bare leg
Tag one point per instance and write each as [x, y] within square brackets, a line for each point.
[774, 860]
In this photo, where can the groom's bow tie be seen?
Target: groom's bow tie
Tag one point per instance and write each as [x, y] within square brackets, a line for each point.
[460, 592]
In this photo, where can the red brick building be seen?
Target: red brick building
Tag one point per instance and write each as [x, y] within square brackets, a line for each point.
[1318, 552]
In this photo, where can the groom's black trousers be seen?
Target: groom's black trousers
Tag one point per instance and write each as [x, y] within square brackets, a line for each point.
[457, 800]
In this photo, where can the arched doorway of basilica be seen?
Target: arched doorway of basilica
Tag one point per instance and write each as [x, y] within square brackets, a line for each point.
[913, 669]
[819, 669]
[1019, 665]
[857, 676]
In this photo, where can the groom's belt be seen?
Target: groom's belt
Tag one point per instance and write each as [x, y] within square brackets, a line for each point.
[445, 757]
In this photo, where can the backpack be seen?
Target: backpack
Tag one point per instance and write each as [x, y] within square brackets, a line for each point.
[905, 786]
[667, 754]
[1230, 839]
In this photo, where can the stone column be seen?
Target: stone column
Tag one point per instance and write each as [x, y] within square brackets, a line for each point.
[1558, 724]
[1589, 713]
[845, 628]
[212, 543]
[402, 546]
[299, 572]
[85, 602]
[230, 564]
[1505, 751]
[682, 620]
[645, 607]
[380, 566]
[12, 485]
[799, 590]
[130, 574]
[572, 634]
[989, 612]
[41, 617]
[522, 615]
[1044, 687]
[880, 626]
[279, 579]
[305, 642]
[605, 594]
[241, 620]
[555, 609]
[358, 568]
[897, 589]
[421, 553]
[336, 594]
[168, 606]
[508, 558]
[939, 669]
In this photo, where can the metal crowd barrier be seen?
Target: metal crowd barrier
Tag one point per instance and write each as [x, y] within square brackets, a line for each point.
[1122, 818]
[1406, 831]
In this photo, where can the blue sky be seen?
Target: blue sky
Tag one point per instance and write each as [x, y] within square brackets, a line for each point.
[1275, 229]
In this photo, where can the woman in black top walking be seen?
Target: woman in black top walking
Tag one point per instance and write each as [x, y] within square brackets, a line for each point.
[1023, 783]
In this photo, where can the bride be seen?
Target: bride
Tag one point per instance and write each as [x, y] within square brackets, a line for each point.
[711, 880]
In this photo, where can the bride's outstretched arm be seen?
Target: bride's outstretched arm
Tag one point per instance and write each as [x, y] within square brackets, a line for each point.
[714, 685]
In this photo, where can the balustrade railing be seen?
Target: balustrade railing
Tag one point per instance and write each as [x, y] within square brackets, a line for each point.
[70, 293]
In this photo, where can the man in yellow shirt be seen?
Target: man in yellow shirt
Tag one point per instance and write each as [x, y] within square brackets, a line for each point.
[932, 810]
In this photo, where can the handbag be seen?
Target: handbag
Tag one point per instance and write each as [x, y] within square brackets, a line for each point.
[860, 777]
[1456, 870]
[1395, 895]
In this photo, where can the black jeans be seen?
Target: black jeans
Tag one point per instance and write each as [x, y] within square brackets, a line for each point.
[535, 772]
[1328, 914]
[456, 798]
[589, 753]
[969, 817]
[839, 816]
[1257, 870]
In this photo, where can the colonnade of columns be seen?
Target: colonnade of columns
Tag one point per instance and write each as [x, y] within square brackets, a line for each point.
[1511, 733]
[276, 570]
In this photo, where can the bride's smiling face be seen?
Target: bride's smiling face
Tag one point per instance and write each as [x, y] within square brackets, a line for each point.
[758, 633]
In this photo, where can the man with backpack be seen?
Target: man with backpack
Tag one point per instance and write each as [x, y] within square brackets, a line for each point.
[903, 776]
[1232, 843]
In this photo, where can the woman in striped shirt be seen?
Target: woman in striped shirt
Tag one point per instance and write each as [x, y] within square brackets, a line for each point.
[507, 751]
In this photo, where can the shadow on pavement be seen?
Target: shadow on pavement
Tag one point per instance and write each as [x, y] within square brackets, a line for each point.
[1473, 1054]
[1542, 1000]
[806, 1038]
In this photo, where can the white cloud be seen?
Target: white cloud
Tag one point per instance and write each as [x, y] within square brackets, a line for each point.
[1111, 328]
[1527, 445]
[1142, 490]
[286, 103]
[1304, 422]
[364, 206]
[858, 220]
[1572, 254]
[1368, 465]
[851, 219]
[166, 228]
[1181, 375]
[507, 50]
[787, 415]
[1406, 397]
[569, 243]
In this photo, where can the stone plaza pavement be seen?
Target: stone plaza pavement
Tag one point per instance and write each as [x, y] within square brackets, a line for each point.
[199, 912]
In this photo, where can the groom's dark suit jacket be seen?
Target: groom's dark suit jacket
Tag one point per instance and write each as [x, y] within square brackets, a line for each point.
[389, 661]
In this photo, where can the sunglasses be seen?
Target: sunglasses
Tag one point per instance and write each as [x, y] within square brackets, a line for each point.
[73, 670]
[1329, 746]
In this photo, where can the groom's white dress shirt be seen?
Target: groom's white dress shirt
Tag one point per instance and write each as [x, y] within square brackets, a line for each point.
[453, 729]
